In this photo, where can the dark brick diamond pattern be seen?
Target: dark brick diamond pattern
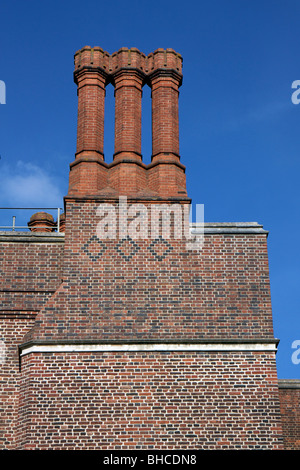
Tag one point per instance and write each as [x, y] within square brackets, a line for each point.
[127, 248]
[94, 248]
[155, 248]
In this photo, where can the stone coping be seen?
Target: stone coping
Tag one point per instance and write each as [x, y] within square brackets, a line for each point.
[39, 237]
[289, 383]
[227, 227]
[125, 346]
[196, 228]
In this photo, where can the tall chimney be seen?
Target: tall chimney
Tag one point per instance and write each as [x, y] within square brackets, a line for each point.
[165, 80]
[128, 70]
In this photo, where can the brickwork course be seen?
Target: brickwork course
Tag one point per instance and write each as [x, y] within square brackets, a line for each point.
[133, 338]
[289, 394]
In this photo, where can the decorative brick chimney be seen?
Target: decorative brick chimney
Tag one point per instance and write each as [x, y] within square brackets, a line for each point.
[128, 70]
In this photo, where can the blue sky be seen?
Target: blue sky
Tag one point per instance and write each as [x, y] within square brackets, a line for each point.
[239, 130]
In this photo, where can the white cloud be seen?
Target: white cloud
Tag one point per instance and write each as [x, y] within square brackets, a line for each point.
[265, 112]
[28, 185]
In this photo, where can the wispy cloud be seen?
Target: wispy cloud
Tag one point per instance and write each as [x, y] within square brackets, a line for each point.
[26, 184]
[269, 111]
[263, 113]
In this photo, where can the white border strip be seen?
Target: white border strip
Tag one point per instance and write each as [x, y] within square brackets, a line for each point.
[61, 348]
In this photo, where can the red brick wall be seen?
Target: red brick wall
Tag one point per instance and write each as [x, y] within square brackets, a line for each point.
[289, 394]
[156, 289]
[12, 330]
[146, 290]
[161, 400]
[30, 273]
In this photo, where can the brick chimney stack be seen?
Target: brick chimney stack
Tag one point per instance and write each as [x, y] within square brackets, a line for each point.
[128, 70]
[165, 81]
[91, 83]
[128, 81]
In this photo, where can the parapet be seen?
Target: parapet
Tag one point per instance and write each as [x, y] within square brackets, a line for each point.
[96, 57]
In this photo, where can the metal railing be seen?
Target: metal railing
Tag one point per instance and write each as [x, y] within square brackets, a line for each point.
[15, 227]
